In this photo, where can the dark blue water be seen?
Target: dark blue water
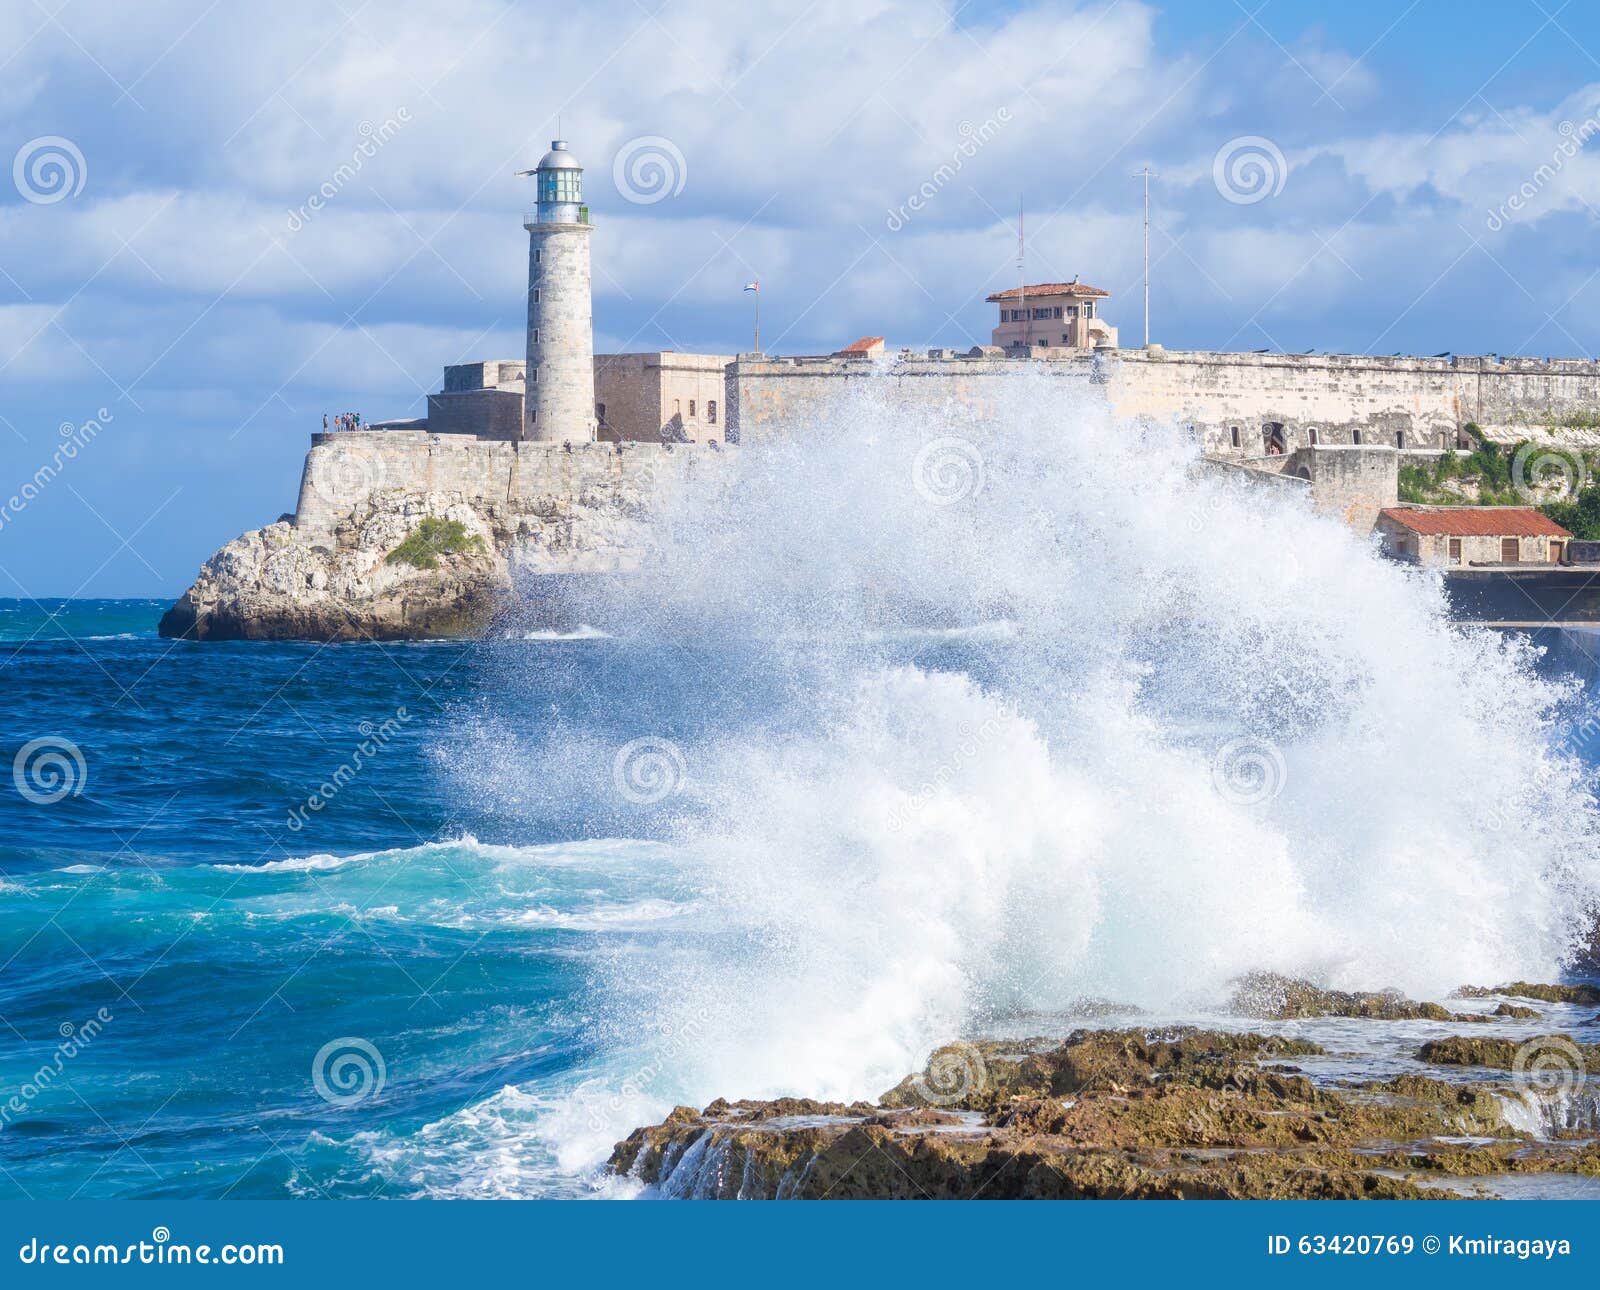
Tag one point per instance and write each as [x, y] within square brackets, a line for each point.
[289, 920]
[182, 929]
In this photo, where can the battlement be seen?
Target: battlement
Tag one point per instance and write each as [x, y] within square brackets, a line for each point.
[345, 470]
[1237, 404]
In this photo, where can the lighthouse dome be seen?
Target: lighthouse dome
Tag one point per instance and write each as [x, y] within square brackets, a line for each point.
[558, 158]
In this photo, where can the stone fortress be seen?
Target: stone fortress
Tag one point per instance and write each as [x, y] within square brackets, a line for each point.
[548, 462]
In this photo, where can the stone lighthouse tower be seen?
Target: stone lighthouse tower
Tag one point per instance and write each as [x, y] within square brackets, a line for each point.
[559, 379]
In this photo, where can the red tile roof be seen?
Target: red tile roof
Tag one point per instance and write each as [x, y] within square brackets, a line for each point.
[1475, 521]
[863, 345]
[1051, 289]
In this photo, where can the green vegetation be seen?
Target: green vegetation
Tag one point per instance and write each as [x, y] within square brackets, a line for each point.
[1494, 471]
[1580, 516]
[431, 539]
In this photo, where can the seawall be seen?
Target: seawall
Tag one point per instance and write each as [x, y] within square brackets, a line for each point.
[1236, 403]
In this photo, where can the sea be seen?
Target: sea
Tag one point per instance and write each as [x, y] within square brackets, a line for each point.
[927, 729]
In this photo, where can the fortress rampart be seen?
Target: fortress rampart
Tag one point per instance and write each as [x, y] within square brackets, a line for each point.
[344, 470]
[1243, 405]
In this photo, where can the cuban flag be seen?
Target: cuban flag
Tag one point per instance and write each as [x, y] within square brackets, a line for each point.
[752, 286]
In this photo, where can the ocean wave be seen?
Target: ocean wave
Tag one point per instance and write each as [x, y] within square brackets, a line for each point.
[581, 633]
[592, 851]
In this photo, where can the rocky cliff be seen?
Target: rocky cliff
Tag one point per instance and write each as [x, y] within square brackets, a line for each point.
[281, 583]
[353, 562]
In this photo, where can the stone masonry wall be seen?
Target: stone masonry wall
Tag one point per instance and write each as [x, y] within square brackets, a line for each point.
[344, 470]
[1343, 398]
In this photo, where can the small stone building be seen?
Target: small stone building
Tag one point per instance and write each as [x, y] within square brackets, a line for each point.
[662, 397]
[1052, 314]
[1449, 536]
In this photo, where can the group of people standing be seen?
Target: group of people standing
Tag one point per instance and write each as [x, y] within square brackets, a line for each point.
[343, 421]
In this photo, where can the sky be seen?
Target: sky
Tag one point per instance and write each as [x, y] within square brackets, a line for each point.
[219, 225]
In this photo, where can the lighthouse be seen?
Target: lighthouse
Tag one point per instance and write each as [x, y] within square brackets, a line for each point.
[559, 377]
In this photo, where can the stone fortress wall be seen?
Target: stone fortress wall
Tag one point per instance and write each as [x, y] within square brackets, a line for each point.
[1314, 400]
[1340, 423]
[1340, 420]
[345, 471]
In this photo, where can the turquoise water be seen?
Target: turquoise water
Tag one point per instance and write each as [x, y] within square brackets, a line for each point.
[202, 942]
[286, 920]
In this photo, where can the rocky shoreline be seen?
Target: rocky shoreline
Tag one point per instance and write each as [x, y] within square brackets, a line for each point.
[1165, 1113]
[344, 583]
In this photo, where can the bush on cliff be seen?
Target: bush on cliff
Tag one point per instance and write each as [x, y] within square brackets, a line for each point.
[431, 539]
[1580, 516]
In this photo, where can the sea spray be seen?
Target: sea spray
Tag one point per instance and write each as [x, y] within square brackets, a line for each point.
[901, 830]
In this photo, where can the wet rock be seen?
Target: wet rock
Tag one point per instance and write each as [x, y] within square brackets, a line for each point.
[1270, 997]
[1584, 994]
[1122, 1113]
[1503, 1054]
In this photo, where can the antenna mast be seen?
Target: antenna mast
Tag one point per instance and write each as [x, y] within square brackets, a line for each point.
[1022, 275]
[1146, 174]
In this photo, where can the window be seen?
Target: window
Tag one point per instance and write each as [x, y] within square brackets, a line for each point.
[538, 257]
[1235, 433]
[600, 413]
[1399, 438]
[1057, 312]
[1455, 550]
[533, 375]
[1509, 551]
[559, 185]
[1311, 436]
[1072, 311]
[536, 295]
[1088, 310]
[677, 407]
[1042, 313]
[1065, 339]
[711, 411]
[1355, 437]
[691, 407]
[535, 335]
[1044, 340]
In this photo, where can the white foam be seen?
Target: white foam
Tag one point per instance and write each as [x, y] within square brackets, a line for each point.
[919, 851]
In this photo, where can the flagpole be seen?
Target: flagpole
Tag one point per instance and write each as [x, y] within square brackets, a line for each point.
[756, 287]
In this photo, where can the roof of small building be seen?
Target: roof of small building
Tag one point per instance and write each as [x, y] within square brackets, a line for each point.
[1475, 521]
[1051, 289]
[865, 345]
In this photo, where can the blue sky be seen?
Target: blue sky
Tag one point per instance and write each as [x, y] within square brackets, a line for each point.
[1360, 177]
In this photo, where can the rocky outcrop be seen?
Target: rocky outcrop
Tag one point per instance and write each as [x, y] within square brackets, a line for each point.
[285, 582]
[1173, 1113]
[1270, 997]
